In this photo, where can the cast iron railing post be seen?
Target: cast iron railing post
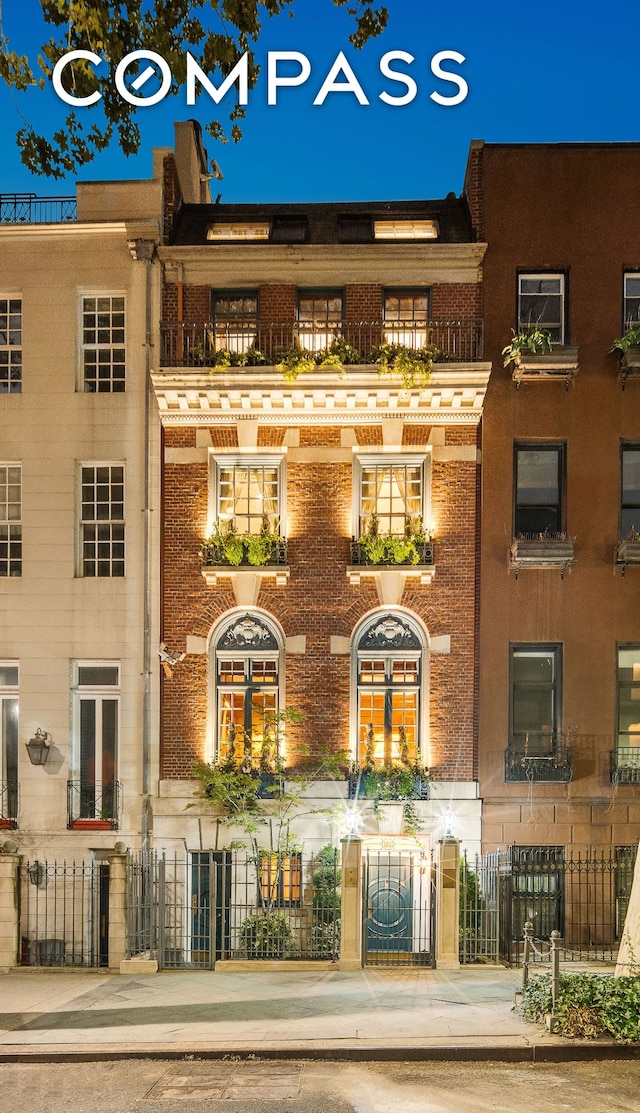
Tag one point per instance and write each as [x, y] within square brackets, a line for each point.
[528, 939]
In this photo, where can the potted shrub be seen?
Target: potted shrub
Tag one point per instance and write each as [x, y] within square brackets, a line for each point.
[266, 934]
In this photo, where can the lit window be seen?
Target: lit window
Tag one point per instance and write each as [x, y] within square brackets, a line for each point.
[542, 304]
[239, 230]
[539, 489]
[93, 788]
[235, 319]
[631, 313]
[319, 318]
[280, 878]
[10, 520]
[247, 679]
[535, 698]
[102, 520]
[9, 742]
[628, 680]
[405, 229]
[406, 313]
[389, 656]
[103, 344]
[630, 494]
[248, 495]
[10, 345]
[390, 494]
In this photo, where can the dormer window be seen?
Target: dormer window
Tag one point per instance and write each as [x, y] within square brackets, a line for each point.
[249, 230]
[405, 229]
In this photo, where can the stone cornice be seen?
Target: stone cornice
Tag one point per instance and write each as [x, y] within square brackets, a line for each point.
[325, 264]
[193, 397]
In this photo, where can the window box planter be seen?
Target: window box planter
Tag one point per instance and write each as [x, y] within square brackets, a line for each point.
[7, 824]
[93, 824]
[542, 552]
[627, 552]
[561, 363]
[554, 766]
[625, 765]
[395, 785]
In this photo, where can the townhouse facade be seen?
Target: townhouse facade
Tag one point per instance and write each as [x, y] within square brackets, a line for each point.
[560, 605]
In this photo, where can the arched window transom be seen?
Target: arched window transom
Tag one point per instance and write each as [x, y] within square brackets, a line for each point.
[389, 661]
[247, 688]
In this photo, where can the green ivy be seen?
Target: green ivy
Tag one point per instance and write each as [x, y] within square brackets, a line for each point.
[589, 1005]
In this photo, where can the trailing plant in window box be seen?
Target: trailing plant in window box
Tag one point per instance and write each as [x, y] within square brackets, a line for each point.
[533, 340]
[295, 361]
[377, 548]
[411, 365]
[227, 547]
[629, 339]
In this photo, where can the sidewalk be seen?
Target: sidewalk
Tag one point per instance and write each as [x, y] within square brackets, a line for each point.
[375, 1013]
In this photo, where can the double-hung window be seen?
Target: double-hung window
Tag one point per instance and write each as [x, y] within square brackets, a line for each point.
[280, 879]
[631, 296]
[536, 697]
[8, 743]
[630, 492]
[247, 663]
[102, 520]
[628, 684]
[542, 304]
[10, 345]
[10, 520]
[390, 493]
[93, 788]
[319, 318]
[539, 481]
[405, 314]
[247, 493]
[103, 344]
[235, 319]
[388, 662]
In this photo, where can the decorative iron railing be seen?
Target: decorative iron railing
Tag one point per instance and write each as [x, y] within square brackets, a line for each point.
[538, 756]
[27, 208]
[247, 344]
[8, 805]
[625, 765]
[214, 556]
[92, 804]
[420, 553]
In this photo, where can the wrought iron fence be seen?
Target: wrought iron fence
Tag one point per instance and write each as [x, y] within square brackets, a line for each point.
[583, 894]
[211, 905]
[27, 208]
[64, 913]
[199, 344]
[478, 923]
[398, 926]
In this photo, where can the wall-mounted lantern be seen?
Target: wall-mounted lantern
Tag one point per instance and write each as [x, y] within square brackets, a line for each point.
[38, 747]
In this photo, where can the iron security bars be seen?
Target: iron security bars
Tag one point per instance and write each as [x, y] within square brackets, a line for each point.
[64, 918]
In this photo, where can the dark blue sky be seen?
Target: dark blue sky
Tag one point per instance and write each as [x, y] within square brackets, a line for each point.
[544, 72]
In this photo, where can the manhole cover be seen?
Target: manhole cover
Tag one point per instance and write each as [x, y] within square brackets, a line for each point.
[227, 1081]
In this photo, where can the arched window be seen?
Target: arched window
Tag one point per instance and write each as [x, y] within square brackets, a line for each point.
[389, 665]
[247, 663]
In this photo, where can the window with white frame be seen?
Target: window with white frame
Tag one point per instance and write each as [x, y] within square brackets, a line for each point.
[319, 318]
[103, 344]
[102, 520]
[389, 665]
[542, 304]
[405, 315]
[10, 520]
[9, 741]
[10, 345]
[631, 308]
[235, 319]
[93, 788]
[247, 493]
[246, 665]
[390, 494]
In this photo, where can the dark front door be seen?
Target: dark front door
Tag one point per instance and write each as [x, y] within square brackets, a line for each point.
[388, 919]
[210, 886]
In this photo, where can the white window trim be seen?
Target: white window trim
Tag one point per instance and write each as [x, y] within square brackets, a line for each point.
[279, 655]
[424, 745]
[248, 459]
[15, 522]
[93, 293]
[563, 296]
[87, 691]
[15, 347]
[80, 464]
[411, 458]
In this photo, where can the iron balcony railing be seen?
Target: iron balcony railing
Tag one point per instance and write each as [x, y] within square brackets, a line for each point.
[92, 803]
[423, 550]
[625, 765]
[8, 805]
[27, 208]
[255, 343]
[215, 556]
[538, 756]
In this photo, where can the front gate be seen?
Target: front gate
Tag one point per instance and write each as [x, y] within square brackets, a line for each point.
[64, 913]
[398, 909]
